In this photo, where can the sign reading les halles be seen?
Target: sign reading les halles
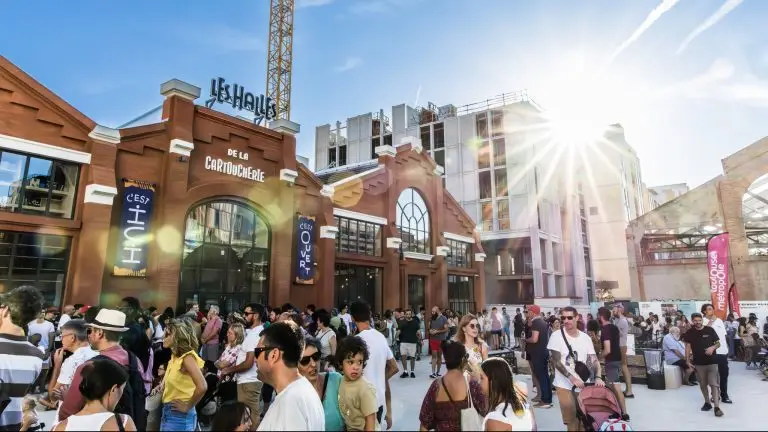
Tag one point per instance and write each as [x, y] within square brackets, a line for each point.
[261, 106]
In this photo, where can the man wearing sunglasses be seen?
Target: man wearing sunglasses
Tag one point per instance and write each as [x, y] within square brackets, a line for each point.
[566, 347]
[538, 356]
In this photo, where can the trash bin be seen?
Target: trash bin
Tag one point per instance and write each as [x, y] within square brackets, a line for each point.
[654, 369]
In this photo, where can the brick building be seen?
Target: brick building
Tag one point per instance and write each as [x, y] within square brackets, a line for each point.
[668, 245]
[206, 207]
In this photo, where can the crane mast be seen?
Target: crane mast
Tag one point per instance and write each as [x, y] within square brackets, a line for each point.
[280, 56]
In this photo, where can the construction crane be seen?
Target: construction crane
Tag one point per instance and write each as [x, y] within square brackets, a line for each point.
[280, 56]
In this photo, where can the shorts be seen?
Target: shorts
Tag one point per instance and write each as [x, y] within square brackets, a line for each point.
[496, 332]
[435, 345]
[612, 371]
[408, 349]
[708, 375]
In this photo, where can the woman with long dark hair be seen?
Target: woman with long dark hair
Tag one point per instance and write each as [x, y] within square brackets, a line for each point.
[232, 416]
[508, 405]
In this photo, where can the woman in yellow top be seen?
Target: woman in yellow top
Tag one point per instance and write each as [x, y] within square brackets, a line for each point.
[184, 384]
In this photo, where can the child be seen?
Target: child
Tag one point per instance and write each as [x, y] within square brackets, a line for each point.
[357, 396]
[29, 418]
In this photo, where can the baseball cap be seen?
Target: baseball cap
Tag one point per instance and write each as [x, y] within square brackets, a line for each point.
[535, 309]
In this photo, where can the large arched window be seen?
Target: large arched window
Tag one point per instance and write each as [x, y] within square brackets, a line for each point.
[412, 220]
[754, 212]
[226, 256]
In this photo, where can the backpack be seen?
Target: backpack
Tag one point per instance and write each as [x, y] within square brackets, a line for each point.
[134, 395]
[615, 424]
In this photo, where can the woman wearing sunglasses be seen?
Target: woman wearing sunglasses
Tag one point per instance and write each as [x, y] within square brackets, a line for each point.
[326, 384]
[469, 335]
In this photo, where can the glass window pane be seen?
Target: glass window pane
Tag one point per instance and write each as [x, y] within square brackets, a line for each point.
[37, 182]
[11, 173]
[64, 190]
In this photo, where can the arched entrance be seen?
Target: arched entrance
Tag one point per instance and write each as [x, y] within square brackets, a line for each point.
[226, 256]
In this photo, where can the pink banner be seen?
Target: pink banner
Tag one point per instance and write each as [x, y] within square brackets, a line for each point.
[717, 264]
[734, 299]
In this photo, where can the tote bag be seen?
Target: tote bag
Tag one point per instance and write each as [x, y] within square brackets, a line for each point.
[470, 419]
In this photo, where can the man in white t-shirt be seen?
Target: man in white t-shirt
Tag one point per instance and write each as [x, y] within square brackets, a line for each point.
[711, 320]
[297, 406]
[248, 384]
[47, 332]
[564, 361]
[381, 364]
[74, 338]
[344, 315]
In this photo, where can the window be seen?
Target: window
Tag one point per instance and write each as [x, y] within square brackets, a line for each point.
[412, 220]
[332, 157]
[487, 209]
[497, 122]
[34, 259]
[482, 125]
[460, 254]
[439, 133]
[502, 213]
[342, 155]
[355, 283]
[426, 141]
[37, 186]
[485, 184]
[484, 155]
[358, 237]
[587, 263]
[388, 140]
[226, 256]
[375, 143]
[461, 294]
[593, 211]
[499, 152]
[500, 176]
[439, 156]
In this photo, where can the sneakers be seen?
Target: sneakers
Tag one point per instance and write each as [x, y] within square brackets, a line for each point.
[543, 405]
[706, 407]
[718, 412]
[413, 375]
[433, 376]
[404, 374]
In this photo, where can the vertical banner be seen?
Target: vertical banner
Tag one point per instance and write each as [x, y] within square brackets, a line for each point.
[134, 236]
[733, 299]
[305, 259]
[717, 265]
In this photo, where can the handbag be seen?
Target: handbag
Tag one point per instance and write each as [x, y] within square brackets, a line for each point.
[582, 370]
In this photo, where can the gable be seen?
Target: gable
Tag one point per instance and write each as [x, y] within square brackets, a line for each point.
[30, 111]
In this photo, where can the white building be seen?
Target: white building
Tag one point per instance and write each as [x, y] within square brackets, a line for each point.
[663, 194]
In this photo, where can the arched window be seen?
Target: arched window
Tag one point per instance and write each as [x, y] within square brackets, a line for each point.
[754, 213]
[412, 220]
[226, 256]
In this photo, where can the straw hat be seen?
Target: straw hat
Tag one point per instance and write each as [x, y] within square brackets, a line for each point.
[109, 319]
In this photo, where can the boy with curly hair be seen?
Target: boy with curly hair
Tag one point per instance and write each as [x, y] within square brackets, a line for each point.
[357, 396]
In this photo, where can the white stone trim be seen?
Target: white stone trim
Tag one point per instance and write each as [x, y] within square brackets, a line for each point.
[460, 238]
[359, 216]
[285, 126]
[394, 242]
[357, 176]
[327, 191]
[414, 142]
[33, 147]
[179, 146]
[103, 133]
[100, 194]
[288, 175]
[480, 257]
[438, 171]
[417, 256]
[329, 232]
[386, 150]
[443, 251]
[177, 87]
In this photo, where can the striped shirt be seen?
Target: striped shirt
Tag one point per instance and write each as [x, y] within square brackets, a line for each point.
[20, 365]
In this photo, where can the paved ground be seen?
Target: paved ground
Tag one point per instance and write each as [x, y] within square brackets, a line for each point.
[650, 410]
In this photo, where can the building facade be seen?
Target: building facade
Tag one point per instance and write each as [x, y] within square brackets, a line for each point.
[498, 164]
[668, 245]
[663, 194]
[204, 207]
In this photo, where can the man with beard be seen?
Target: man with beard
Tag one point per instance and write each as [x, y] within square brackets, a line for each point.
[297, 405]
[702, 341]
[438, 332]
[722, 351]
[538, 356]
[408, 333]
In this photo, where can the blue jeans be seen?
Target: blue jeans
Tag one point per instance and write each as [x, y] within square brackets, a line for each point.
[175, 420]
[540, 364]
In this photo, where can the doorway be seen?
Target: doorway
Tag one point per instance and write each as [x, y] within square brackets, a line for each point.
[416, 288]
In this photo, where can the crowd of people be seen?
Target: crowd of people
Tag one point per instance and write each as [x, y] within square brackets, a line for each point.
[264, 368]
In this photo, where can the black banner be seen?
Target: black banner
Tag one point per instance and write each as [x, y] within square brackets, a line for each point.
[305, 255]
[134, 236]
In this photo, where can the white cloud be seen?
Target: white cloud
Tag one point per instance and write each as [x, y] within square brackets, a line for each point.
[664, 7]
[713, 19]
[300, 4]
[349, 64]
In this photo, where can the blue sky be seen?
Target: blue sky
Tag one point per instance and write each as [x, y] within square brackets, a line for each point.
[684, 107]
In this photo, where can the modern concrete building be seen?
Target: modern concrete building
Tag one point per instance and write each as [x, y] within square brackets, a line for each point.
[501, 165]
[668, 245]
[659, 195]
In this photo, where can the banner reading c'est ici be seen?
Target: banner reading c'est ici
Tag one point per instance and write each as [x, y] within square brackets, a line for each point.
[717, 265]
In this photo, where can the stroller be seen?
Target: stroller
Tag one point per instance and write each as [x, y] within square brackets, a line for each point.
[598, 409]
[208, 405]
